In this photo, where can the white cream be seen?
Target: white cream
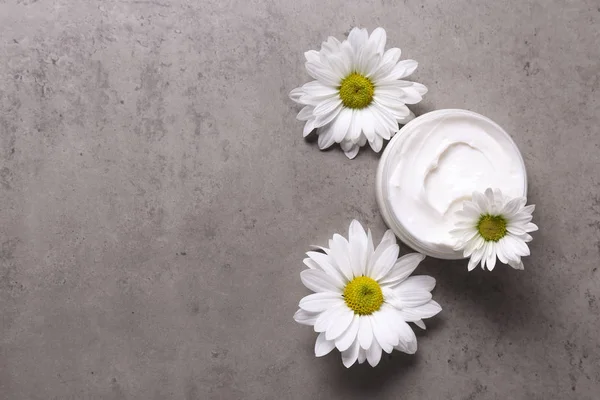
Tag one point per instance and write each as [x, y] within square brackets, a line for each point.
[439, 160]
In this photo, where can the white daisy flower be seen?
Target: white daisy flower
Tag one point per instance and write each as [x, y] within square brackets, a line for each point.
[364, 297]
[492, 225]
[358, 95]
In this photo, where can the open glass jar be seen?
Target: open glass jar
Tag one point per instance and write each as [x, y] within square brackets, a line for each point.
[433, 164]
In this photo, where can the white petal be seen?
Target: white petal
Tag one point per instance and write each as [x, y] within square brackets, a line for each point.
[392, 88]
[386, 118]
[470, 210]
[355, 128]
[296, 93]
[413, 298]
[382, 333]
[312, 55]
[374, 354]
[526, 238]
[408, 343]
[319, 281]
[331, 46]
[346, 145]
[486, 252]
[416, 283]
[405, 332]
[481, 201]
[321, 301]
[385, 123]
[377, 40]
[403, 69]
[395, 323]
[308, 127]
[390, 297]
[410, 314]
[340, 253]
[520, 218]
[323, 346]
[491, 256]
[358, 38]
[515, 229]
[352, 152]
[326, 138]
[531, 227]
[388, 240]
[407, 119]
[411, 96]
[500, 251]
[402, 269]
[349, 356]
[362, 140]
[489, 193]
[338, 66]
[392, 55]
[362, 356]
[346, 54]
[367, 61]
[319, 91]
[340, 324]
[323, 260]
[305, 114]
[381, 129]
[327, 106]
[323, 75]
[385, 262]
[394, 107]
[305, 317]
[511, 207]
[420, 324]
[365, 118]
[475, 258]
[370, 250]
[357, 239]
[365, 332]
[420, 88]
[516, 265]
[312, 264]
[349, 336]
[376, 144]
[518, 246]
[472, 245]
[381, 71]
[322, 120]
[427, 310]
[328, 317]
[341, 124]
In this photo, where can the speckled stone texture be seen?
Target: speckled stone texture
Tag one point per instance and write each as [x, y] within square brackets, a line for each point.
[157, 197]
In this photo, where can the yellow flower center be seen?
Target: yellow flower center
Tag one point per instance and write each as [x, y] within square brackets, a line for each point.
[356, 91]
[363, 295]
[492, 227]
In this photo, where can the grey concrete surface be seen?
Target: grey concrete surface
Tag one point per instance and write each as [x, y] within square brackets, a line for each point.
[157, 197]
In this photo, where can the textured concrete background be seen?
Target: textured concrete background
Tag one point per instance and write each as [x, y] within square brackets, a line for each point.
[157, 197]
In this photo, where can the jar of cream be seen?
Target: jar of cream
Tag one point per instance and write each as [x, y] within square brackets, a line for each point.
[433, 164]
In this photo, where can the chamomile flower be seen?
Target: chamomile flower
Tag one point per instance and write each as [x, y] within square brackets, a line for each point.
[492, 226]
[364, 297]
[358, 94]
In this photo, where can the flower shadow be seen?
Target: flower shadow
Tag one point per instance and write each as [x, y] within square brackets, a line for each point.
[505, 297]
[363, 379]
